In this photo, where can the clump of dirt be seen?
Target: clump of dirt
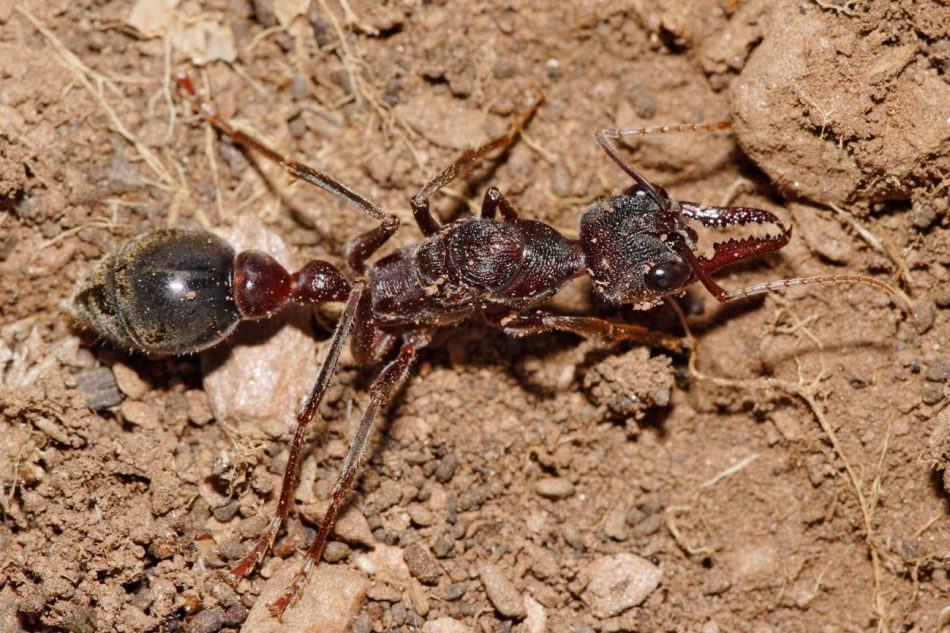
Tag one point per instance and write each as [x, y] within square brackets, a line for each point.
[773, 481]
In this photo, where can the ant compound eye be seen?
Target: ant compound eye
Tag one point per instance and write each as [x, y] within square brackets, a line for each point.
[666, 276]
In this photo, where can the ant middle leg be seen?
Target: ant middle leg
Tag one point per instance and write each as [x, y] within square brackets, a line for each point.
[360, 248]
[389, 379]
[469, 158]
[541, 322]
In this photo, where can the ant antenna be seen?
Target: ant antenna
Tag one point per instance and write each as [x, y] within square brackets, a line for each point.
[602, 137]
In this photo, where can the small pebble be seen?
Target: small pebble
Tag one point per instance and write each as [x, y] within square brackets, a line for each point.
[924, 315]
[207, 621]
[226, 512]
[537, 619]
[140, 414]
[554, 487]
[444, 544]
[199, 407]
[939, 370]
[455, 591]
[446, 468]
[420, 515]
[235, 615]
[129, 382]
[328, 603]
[224, 593]
[649, 525]
[351, 526]
[99, 386]
[615, 523]
[163, 547]
[932, 392]
[399, 614]
[617, 583]
[335, 552]
[421, 564]
[445, 625]
[503, 595]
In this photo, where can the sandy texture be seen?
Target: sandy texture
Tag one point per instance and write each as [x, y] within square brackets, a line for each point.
[793, 479]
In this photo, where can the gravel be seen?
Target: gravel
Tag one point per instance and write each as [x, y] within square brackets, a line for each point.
[502, 593]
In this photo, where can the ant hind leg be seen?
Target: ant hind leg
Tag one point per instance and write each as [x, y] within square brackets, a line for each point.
[360, 248]
[389, 379]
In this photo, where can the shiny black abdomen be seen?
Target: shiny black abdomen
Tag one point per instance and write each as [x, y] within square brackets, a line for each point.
[164, 292]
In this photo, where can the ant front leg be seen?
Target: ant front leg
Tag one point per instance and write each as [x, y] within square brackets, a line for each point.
[541, 322]
[389, 379]
[420, 202]
[359, 249]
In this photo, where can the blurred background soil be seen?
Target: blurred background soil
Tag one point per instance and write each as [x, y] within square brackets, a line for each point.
[791, 479]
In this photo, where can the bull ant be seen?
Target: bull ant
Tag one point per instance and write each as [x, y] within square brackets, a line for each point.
[180, 291]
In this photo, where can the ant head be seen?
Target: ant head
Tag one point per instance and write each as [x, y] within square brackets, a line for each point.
[633, 247]
[639, 246]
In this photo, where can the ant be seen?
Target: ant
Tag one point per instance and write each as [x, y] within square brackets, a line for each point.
[179, 291]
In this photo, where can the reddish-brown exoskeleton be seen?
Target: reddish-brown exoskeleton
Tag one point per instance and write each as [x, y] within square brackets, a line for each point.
[178, 291]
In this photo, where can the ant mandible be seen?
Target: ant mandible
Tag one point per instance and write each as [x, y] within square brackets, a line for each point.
[180, 291]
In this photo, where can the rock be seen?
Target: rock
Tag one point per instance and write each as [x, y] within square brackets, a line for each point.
[140, 414]
[422, 565]
[615, 523]
[537, 619]
[330, 601]
[443, 544]
[501, 592]
[129, 381]
[931, 392]
[351, 526]
[939, 370]
[631, 383]
[446, 468]
[617, 583]
[199, 408]
[790, 119]
[99, 386]
[420, 515]
[445, 625]
[207, 621]
[554, 487]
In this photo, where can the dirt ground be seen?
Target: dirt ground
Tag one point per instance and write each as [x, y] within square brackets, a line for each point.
[789, 478]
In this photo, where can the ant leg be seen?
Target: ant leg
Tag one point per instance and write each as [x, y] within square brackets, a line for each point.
[381, 392]
[266, 540]
[494, 201]
[469, 158]
[540, 322]
[360, 248]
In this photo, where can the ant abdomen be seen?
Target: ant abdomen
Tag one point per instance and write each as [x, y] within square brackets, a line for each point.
[165, 292]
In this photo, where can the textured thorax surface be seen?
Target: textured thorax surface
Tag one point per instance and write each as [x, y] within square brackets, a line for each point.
[469, 266]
